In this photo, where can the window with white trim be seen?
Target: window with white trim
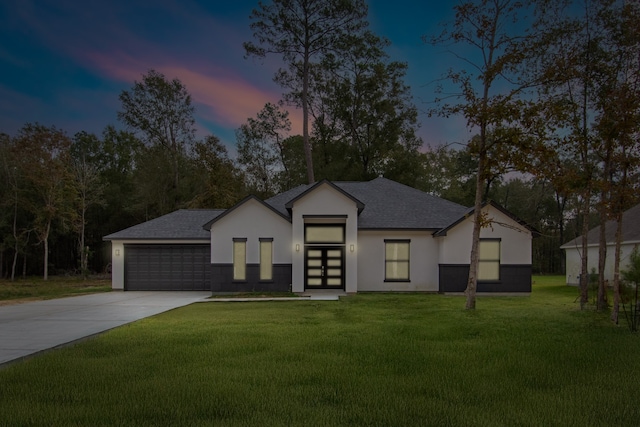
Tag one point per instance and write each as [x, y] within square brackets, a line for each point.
[396, 260]
[239, 259]
[489, 260]
[266, 258]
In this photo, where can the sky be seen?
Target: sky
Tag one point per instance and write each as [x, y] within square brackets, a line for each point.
[65, 62]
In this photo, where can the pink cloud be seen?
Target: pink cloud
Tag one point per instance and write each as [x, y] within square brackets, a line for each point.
[227, 101]
[105, 44]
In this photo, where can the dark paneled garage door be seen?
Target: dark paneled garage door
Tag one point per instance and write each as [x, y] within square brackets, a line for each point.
[167, 267]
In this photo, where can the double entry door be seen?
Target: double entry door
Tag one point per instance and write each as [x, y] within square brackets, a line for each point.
[324, 267]
[324, 256]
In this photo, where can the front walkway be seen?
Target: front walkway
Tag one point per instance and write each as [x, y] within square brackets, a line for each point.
[30, 328]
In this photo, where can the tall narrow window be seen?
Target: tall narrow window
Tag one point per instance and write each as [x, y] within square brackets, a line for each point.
[489, 260]
[266, 259]
[239, 259]
[396, 260]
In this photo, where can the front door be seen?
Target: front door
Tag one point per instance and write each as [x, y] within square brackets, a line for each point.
[324, 267]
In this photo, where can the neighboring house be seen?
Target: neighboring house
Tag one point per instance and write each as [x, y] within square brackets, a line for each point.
[348, 236]
[630, 239]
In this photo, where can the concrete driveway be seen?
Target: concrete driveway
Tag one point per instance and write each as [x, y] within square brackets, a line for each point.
[29, 328]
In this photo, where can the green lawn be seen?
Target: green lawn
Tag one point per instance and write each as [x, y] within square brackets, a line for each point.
[34, 288]
[369, 359]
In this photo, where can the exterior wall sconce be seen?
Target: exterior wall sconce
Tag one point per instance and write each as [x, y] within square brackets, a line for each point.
[297, 247]
[352, 248]
[117, 252]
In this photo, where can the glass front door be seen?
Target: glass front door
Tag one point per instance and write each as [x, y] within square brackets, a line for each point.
[324, 267]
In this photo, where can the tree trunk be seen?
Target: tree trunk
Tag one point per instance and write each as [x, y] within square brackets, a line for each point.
[46, 251]
[308, 155]
[560, 205]
[83, 251]
[602, 257]
[616, 268]
[15, 261]
[15, 234]
[584, 273]
[472, 281]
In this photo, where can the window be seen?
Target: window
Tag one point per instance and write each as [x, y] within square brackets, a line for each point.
[239, 259]
[266, 259]
[489, 260]
[324, 234]
[396, 260]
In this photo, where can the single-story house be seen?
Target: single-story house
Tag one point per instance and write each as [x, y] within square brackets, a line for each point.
[630, 239]
[378, 235]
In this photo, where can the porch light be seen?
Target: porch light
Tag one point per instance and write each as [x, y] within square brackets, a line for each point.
[352, 248]
[117, 252]
[297, 247]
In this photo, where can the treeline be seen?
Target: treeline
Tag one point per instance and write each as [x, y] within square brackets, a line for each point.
[62, 194]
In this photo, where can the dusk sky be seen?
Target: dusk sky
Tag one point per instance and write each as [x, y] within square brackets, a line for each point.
[64, 62]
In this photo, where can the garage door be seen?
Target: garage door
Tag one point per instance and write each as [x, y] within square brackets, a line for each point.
[167, 267]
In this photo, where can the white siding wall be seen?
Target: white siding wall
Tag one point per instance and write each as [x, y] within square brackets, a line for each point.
[423, 261]
[515, 246]
[325, 200]
[252, 220]
[117, 265]
[573, 261]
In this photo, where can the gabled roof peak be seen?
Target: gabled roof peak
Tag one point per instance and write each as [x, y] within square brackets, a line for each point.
[290, 203]
[469, 212]
[208, 225]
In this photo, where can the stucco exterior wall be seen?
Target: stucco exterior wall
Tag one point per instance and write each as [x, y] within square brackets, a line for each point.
[423, 261]
[325, 201]
[252, 221]
[574, 262]
[515, 246]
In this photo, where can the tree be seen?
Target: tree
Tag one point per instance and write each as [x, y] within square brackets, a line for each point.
[116, 163]
[490, 29]
[14, 219]
[44, 160]
[260, 148]
[83, 152]
[588, 104]
[8, 202]
[161, 111]
[618, 123]
[632, 273]
[449, 173]
[302, 31]
[362, 106]
[221, 182]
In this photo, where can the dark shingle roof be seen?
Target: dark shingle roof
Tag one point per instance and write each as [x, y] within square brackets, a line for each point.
[388, 205]
[630, 230]
[181, 224]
